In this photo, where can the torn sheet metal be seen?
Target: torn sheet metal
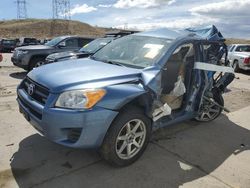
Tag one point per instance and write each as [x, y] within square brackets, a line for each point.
[212, 67]
[210, 33]
[152, 78]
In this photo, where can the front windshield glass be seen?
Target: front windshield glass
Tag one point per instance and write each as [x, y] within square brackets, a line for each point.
[9, 42]
[245, 48]
[135, 51]
[30, 40]
[95, 45]
[54, 41]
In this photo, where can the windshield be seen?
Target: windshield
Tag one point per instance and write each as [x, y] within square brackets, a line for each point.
[133, 50]
[245, 48]
[55, 41]
[95, 45]
[9, 42]
[30, 40]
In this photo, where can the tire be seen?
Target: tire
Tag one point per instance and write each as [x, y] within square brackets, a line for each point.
[210, 111]
[119, 140]
[36, 62]
[236, 66]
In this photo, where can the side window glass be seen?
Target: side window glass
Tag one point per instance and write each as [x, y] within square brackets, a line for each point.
[71, 43]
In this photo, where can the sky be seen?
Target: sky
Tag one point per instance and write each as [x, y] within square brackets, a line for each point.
[232, 17]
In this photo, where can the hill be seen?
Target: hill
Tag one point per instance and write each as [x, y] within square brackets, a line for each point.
[47, 28]
[237, 41]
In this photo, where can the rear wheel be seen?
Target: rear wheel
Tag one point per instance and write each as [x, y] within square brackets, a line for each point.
[236, 66]
[127, 138]
[209, 110]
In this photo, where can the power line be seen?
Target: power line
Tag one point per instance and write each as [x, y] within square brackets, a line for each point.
[21, 9]
[61, 9]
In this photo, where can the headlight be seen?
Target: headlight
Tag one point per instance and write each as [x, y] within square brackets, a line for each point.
[80, 99]
[19, 52]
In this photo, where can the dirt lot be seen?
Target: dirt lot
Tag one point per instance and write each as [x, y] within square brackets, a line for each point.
[189, 154]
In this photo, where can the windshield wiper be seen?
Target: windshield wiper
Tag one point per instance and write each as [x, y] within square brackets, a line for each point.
[113, 62]
[107, 61]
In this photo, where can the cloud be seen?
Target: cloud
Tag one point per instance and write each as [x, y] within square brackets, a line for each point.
[179, 23]
[171, 2]
[105, 6]
[126, 4]
[141, 3]
[232, 16]
[226, 7]
[135, 3]
[79, 9]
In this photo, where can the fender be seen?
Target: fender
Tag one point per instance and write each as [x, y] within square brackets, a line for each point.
[119, 95]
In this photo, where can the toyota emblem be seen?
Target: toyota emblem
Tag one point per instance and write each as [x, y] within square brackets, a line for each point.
[31, 89]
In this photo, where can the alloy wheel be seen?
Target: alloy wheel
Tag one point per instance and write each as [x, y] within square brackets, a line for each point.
[130, 139]
[209, 111]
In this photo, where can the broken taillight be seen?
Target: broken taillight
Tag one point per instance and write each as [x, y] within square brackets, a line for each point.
[247, 60]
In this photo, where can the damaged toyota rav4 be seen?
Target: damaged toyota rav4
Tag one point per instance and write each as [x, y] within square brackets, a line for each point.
[113, 100]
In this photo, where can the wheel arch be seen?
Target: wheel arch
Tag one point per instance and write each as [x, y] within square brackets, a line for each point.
[33, 57]
[142, 102]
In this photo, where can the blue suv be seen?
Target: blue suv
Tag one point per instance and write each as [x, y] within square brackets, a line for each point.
[114, 99]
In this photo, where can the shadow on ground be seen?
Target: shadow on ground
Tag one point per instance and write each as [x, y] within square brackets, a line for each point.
[18, 75]
[200, 147]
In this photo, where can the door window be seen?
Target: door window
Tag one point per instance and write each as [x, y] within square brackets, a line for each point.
[71, 43]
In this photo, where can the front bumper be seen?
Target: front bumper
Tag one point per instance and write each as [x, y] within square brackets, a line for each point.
[20, 60]
[77, 129]
[18, 63]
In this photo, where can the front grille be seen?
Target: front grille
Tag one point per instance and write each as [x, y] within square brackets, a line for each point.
[35, 113]
[39, 94]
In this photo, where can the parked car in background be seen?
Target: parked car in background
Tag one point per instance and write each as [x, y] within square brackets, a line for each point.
[239, 56]
[86, 51]
[28, 57]
[138, 83]
[7, 45]
[44, 41]
[89, 49]
[26, 41]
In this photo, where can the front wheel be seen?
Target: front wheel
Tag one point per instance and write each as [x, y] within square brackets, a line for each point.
[36, 62]
[209, 110]
[127, 138]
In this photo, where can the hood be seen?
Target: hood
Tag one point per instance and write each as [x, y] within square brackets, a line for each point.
[61, 55]
[35, 47]
[81, 74]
